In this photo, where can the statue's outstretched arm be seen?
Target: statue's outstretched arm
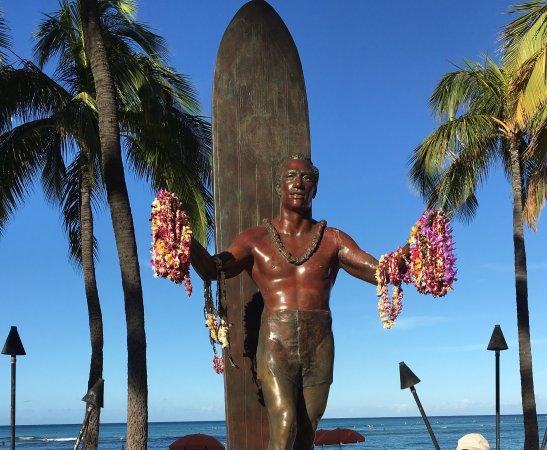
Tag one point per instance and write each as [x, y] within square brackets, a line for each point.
[235, 259]
[354, 260]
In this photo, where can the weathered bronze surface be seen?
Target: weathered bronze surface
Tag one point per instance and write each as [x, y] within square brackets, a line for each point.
[260, 116]
[295, 347]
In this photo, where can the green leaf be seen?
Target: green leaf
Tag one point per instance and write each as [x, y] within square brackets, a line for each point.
[4, 38]
[22, 153]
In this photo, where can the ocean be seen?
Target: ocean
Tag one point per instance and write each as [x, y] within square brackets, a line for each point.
[401, 433]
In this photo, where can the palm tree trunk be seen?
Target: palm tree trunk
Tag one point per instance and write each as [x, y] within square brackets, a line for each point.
[531, 436]
[93, 305]
[122, 221]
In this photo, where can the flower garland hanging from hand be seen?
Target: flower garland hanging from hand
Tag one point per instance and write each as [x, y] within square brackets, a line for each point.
[171, 240]
[430, 265]
[388, 272]
[432, 259]
[216, 319]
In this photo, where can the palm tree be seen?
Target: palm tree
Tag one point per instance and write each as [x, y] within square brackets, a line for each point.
[478, 108]
[164, 143]
[122, 221]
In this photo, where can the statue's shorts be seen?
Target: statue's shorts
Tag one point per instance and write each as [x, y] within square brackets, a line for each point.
[297, 345]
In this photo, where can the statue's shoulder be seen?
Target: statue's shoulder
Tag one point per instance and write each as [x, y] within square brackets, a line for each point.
[331, 232]
[336, 235]
[253, 233]
[335, 230]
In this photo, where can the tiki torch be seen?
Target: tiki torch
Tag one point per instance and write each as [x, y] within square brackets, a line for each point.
[13, 347]
[93, 400]
[497, 343]
[409, 380]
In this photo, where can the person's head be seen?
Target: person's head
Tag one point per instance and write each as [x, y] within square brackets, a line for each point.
[297, 184]
[473, 441]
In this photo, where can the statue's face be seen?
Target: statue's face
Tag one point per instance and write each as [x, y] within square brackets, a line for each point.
[298, 186]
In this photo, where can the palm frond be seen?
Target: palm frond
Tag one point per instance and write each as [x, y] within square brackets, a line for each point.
[529, 86]
[442, 146]
[22, 153]
[134, 33]
[127, 7]
[536, 196]
[120, 25]
[27, 93]
[4, 38]
[537, 134]
[196, 199]
[526, 34]
[478, 88]
[146, 84]
[56, 35]
[524, 43]
[70, 206]
[456, 185]
[172, 85]
[176, 158]
[54, 169]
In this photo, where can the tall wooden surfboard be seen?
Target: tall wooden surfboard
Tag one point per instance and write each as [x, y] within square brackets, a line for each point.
[260, 117]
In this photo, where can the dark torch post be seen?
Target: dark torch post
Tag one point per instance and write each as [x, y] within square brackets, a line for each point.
[408, 380]
[13, 347]
[497, 343]
[93, 399]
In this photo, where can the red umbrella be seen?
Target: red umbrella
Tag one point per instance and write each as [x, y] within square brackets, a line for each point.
[338, 436]
[196, 442]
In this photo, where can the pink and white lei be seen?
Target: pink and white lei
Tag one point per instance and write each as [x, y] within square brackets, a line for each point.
[431, 265]
[387, 273]
[432, 259]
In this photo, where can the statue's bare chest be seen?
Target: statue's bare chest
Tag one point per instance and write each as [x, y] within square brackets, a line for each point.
[269, 263]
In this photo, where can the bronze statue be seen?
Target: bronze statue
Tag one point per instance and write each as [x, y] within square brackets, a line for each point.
[294, 260]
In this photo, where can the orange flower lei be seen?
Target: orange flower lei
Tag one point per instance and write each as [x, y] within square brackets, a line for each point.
[171, 240]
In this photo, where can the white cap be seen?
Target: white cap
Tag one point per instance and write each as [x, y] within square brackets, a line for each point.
[473, 441]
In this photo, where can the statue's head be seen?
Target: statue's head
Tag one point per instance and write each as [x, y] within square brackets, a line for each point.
[297, 184]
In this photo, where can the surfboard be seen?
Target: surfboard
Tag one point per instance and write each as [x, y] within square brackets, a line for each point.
[260, 117]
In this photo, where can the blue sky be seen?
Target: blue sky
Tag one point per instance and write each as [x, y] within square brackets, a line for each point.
[369, 68]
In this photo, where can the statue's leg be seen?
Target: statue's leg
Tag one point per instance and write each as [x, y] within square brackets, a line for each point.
[312, 404]
[317, 356]
[280, 397]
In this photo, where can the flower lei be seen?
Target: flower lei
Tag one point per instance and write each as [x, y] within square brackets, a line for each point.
[432, 259]
[431, 265]
[171, 240]
[216, 319]
[388, 272]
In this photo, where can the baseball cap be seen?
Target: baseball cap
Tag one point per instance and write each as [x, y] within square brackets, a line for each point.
[473, 441]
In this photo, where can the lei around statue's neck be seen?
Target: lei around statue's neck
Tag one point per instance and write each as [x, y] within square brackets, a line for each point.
[290, 258]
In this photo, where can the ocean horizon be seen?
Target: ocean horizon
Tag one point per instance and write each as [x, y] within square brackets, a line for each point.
[395, 433]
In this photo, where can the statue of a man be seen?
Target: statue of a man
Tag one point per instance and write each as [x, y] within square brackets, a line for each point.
[294, 260]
